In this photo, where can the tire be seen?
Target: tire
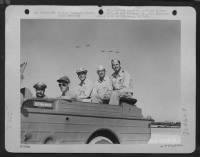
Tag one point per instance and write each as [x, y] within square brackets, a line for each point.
[100, 140]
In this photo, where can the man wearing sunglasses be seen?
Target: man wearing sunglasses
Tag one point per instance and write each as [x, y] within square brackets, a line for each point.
[63, 84]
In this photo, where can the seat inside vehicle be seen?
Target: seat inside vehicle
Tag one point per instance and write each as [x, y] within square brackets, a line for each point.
[127, 100]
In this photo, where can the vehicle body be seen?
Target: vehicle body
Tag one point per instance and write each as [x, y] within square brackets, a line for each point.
[61, 121]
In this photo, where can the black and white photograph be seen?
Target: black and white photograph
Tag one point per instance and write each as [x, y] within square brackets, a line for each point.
[95, 65]
[101, 81]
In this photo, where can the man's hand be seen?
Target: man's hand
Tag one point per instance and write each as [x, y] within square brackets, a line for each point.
[23, 67]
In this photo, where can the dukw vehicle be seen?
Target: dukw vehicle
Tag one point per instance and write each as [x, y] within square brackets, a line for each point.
[58, 121]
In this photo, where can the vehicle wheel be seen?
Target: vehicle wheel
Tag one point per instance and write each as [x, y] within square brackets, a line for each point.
[100, 140]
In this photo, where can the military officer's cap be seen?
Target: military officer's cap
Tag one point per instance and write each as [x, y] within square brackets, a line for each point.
[64, 79]
[81, 70]
[100, 68]
[40, 85]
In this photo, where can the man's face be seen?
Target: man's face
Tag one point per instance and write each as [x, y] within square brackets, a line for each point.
[101, 74]
[63, 86]
[40, 93]
[116, 66]
[82, 76]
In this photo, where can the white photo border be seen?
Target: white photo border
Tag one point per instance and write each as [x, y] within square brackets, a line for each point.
[187, 16]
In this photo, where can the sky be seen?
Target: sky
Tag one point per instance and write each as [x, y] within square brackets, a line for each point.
[148, 49]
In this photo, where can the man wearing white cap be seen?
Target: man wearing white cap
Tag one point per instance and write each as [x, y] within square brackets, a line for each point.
[102, 88]
[84, 87]
[121, 82]
[40, 90]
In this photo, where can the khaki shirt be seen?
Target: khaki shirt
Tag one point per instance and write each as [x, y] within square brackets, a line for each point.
[68, 95]
[122, 81]
[102, 87]
[84, 89]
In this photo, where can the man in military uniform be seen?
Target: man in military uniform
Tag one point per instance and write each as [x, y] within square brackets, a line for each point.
[84, 87]
[121, 82]
[63, 84]
[40, 90]
[102, 88]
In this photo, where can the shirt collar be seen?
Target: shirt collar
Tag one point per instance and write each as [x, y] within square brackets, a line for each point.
[64, 94]
[118, 74]
[99, 81]
[83, 83]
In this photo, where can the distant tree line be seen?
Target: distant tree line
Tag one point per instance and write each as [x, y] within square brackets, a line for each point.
[166, 124]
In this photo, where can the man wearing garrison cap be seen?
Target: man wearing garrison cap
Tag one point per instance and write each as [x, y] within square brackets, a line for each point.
[85, 86]
[121, 82]
[40, 90]
[102, 87]
[63, 84]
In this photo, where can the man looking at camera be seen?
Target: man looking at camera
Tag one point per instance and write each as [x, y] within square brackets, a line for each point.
[102, 88]
[121, 82]
[84, 87]
[40, 90]
[63, 84]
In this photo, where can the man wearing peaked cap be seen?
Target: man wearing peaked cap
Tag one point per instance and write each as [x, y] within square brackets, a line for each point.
[40, 90]
[85, 86]
[63, 84]
[102, 88]
[64, 79]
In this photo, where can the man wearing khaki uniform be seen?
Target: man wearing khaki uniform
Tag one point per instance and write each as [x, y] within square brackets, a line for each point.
[102, 88]
[121, 82]
[66, 93]
[84, 87]
[40, 90]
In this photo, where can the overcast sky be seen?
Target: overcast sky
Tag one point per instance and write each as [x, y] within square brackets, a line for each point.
[149, 50]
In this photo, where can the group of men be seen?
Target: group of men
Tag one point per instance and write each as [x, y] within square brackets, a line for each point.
[105, 90]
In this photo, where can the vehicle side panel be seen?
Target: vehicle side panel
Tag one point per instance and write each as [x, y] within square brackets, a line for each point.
[65, 128]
